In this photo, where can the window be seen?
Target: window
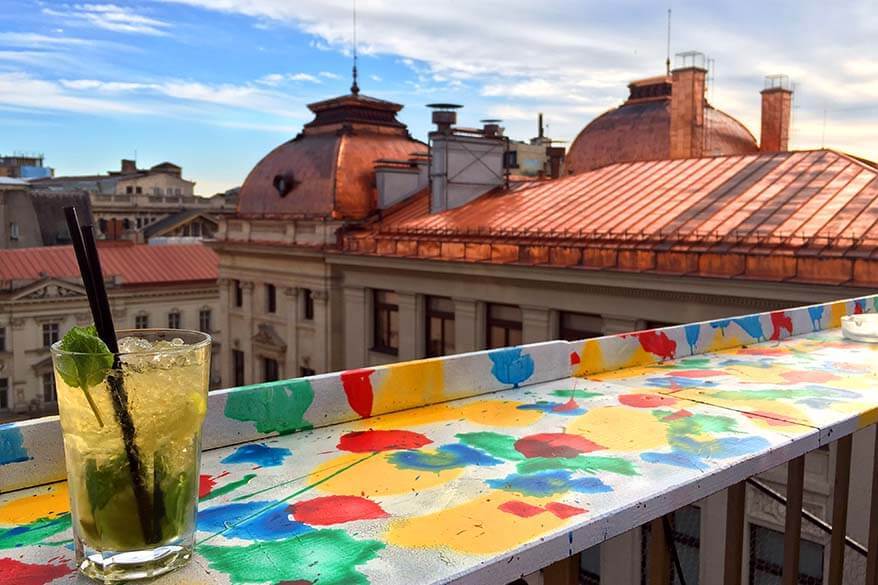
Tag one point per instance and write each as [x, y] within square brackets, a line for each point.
[766, 558]
[14, 232]
[174, 320]
[139, 222]
[129, 189]
[270, 298]
[156, 190]
[308, 304]
[385, 321]
[204, 320]
[177, 191]
[49, 394]
[504, 326]
[50, 334]
[576, 326]
[4, 393]
[238, 363]
[305, 372]
[270, 370]
[138, 190]
[440, 326]
[141, 321]
[686, 532]
[239, 294]
[196, 229]
[2, 338]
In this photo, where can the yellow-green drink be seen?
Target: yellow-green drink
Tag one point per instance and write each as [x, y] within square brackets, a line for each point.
[132, 442]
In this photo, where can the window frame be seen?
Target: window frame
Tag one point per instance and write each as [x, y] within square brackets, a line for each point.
[238, 367]
[205, 314]
[175, 320]
[307, 304]
[239, 294]
[51, 332]
[270, 298]
[14, 231]
[444, 316]
[573, 334]
[776, 569]
[51, 387]
[2, 337]
[142, 318]
[270, 369]
[378, 307]
[5, 402]
[507, 325]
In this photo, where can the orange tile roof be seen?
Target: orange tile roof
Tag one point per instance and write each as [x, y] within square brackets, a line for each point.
[752, 216]
[133, 264]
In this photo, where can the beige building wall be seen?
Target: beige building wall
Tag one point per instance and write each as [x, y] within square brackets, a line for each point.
[156, 184]
[24, 312]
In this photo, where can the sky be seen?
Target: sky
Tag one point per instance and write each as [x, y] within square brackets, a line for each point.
[214, 85]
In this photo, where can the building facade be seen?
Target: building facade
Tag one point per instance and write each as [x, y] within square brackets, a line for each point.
[31, 217]
[41, 297]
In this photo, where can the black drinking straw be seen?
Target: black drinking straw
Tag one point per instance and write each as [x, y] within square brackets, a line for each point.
[92, 276]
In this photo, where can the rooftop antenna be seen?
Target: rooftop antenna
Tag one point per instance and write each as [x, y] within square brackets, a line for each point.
[355, 89]
[668, 53]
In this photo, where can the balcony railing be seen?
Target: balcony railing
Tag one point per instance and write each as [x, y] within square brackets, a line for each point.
[487, 467]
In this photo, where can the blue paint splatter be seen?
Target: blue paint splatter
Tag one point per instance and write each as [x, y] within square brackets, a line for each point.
[693, 332]
[722, 325]
[446, 457]
[552, 408]
[816, 314]
[724, 448]
[547, 483]
[12, 445]
[861, 305]
[511, 365]
[251, 521]
[679, 382]
[258, 454]
[675, 458]
[752, 326]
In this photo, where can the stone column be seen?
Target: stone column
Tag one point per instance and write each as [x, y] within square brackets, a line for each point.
[469, 325]
[224, 331]
[411, 326]
[320, 360]
[614, 325]
[251, 372]
[356, 341]
[536, 324]
[291, 300]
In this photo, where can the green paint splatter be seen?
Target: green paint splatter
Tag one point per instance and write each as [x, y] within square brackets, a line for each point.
[327, 557]
[690, 363]
[229, 487]
[274, 406]
[496, 444]
[574, 393]
[697, 424]
[585, 463]
[772, 394]
[33, 533]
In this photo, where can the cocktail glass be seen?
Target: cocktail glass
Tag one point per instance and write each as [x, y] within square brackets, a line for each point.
[133, 492]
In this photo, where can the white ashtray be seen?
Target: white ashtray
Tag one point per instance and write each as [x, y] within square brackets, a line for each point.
[862, 327]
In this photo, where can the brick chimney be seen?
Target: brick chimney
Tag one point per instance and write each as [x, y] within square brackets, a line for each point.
[687, 106]
[128, 166]
[777, 99]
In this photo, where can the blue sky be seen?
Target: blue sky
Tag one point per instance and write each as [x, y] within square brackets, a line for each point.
[213, 85]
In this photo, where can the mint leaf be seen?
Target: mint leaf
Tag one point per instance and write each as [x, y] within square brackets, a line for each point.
[89, 359]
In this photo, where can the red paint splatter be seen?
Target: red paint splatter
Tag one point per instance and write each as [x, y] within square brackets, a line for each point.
[762, 351]
[780, 320]
[358, 387]
[858, 308]
[554, 445]
[682, 413]
[563, 510]
[328, 510]
[574, 358]
[797, 376]
[206, 483]
[768, 418]
[657, 343]
[520, 509]
[566, 407]
[14, 572]
[696, 373]
[372, 441]
[646, 400]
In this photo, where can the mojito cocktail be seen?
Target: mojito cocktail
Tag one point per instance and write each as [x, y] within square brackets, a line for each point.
[132, 441]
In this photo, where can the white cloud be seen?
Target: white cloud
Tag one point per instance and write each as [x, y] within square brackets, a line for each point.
[35, 40]
[109, 17]
[303, 77]
[329, 75]
[21, 91]
[375, 78]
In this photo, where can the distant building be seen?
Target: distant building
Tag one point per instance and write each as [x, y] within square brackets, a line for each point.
[41, 297]
[21, 166]
[32, 217]
[126, 201]
[537, 157]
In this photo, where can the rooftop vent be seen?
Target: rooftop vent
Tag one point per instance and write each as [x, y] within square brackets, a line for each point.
[283, 184]
[491, 128]
[444, 116]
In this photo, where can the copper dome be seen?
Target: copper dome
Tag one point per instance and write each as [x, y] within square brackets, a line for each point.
[640, 129]
[327, 170]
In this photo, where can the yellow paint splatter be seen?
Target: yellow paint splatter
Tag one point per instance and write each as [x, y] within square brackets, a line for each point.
[836, 312]
[376, 476]
[410, 385]
[591, 359]
[644, 371]
[867, 418]
[620, 428]
[491, 413]
[476, 527]
[25, 510]
[721, 342]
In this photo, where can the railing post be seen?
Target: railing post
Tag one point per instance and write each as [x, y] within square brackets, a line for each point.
[840, 509]
[563, 572]
[793, 531]
[872, 555]
[659, 558]
[735, 504]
